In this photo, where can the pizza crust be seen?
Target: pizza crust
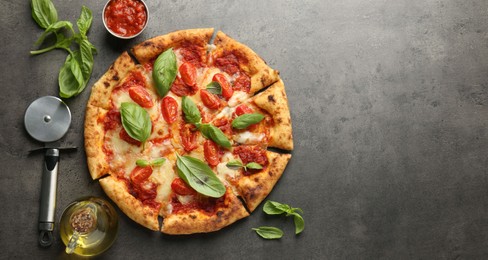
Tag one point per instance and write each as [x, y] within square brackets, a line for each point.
[275, 102]
[261, 74]
[102, 89]
[94, 137]
[256, 187]
[132, 207]
[149, 50]
[197, 222]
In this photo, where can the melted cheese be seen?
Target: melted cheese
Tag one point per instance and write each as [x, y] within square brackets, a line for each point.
[163, 175]
[237, 98]
[248, 137]
[185, 199]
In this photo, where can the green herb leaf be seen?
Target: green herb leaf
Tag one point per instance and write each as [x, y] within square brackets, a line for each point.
[192, 114]
[136, 121]
[44, 13]
[85, 20]
[254, 166]
[158, 162]
[214, 88]
[269, 232]
[214, 133]
[199, 176]
[70, 77]
[53, 28]
[245, 120]
[234, 164]
[86, 56]
[164, 71]
[299, 223]
[142, 163]
[275, 208]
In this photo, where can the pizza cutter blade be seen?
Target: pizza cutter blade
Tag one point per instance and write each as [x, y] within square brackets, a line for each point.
[47, 119]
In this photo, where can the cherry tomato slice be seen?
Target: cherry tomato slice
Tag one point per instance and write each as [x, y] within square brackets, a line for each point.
[243, 109]
[188, 137]
[211, 152]
[140, 174]
[188, 73]
[141, 96]
[180, 187]
[227, 90]
[169, 109]
[126, 137]
[209, 100]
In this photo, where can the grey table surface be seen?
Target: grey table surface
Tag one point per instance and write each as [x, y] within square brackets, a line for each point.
[389, 104]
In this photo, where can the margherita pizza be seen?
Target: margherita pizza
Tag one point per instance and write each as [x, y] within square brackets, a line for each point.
[180, 128]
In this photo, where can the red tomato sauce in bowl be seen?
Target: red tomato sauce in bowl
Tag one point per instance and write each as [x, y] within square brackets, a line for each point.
[125, 18]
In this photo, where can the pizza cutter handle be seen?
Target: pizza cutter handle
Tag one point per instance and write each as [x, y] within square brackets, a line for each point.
[48, 197]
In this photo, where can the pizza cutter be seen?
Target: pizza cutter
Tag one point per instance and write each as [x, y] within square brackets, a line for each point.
[47, 119]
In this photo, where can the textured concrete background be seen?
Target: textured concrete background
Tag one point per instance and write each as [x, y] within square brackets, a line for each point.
[389, 103]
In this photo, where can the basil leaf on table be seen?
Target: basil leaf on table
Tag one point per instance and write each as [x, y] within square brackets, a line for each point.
[136, 121]
[299, 223]
[164, 71]
[199, 176]
[214, 133]
[245, 120]
[44, 13]
[85, 20]
[70, 77]
[269, 232]
[53, 28]
[275, 208]
[214, 88]
[192, 114]
[86, 60]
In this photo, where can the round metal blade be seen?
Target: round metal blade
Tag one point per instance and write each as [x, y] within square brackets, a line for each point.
[47, 119]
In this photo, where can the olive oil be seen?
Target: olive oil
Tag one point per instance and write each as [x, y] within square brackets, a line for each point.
[88, 226]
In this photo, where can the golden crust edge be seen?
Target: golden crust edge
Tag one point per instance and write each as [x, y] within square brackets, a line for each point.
[151, 48]
[94, 138]
[132, 207]
[274, 101]
[262, 75]
[183, 224]
[255, 188]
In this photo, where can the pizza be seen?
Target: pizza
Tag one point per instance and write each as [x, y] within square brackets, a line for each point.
[179, 129]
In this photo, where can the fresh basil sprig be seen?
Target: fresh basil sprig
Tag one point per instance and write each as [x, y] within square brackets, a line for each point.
[276, 208]
[136, 121]
[44, 13]
[199, 176]
[239, 164]
[269, 232]
[214, 88]
[70, 82]
[154, 163]
[209, 131]
[245, 120]
[164, 71]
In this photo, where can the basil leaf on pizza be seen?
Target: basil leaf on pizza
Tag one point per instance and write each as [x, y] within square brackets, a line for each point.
[245, 120]
[254, 166]
[192, 114]
[145, 163]
[164, 71]
[269, 232]
[214, 88]
[214, 133]
[235, 164]
[136, 121]
[199, 176]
